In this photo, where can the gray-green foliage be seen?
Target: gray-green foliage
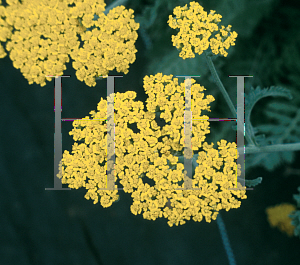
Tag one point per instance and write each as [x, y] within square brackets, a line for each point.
[253, 182]
[284, 128]
[296, 215]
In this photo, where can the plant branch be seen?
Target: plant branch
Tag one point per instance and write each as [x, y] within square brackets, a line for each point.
[114, 4]
[290, 128]
[219, 83]
[270, 148]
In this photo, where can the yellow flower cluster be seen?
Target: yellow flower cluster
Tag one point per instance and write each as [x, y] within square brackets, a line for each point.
[197, 29]
[151, 155]
[278, 216]
[108, 46]
[41, 34]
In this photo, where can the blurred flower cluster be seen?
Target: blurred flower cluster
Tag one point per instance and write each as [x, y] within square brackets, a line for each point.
[278, 216]
[196, 29]
[42, 34]
[146, 162]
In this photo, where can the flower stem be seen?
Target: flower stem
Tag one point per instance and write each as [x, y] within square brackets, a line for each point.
[225, 240]
[270, 148]
[219, 83]
[194, 163]
[114, 4]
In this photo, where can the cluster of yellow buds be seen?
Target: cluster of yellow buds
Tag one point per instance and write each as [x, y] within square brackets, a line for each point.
[150, 154]
[196, 29]
[42, 34]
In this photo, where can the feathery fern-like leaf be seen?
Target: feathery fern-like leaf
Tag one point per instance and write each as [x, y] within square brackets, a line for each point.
[254, 96]
[285, 130]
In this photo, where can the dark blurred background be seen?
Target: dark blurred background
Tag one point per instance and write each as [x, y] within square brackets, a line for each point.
[62, 227]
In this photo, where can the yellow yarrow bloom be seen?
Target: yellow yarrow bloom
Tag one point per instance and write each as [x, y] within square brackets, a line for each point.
[150, 156]
[278, 216]
[42, 34]
[197, 29]
[108, 46]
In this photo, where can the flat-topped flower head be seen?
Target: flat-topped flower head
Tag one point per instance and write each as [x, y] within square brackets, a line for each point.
[147, 161]
[107, 46]
[42, 34]
[199, 31]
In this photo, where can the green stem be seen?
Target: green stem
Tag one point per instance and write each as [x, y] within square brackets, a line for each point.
[219, 83]
[114, 4]
[270, 148]
[290, 128]
[194, 163]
